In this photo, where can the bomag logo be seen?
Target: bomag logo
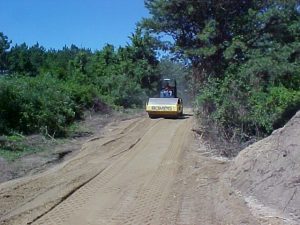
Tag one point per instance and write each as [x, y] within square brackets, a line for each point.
[162, 108]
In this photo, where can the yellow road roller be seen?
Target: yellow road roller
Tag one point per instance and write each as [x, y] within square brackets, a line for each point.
[168, 105]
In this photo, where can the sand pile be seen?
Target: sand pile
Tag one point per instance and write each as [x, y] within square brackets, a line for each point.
[267, 173]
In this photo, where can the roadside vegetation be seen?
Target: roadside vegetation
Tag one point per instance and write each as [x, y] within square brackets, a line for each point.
[245, 58]
[47, 90]
[15, 146]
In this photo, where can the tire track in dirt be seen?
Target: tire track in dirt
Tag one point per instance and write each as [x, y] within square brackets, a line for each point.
[134, 185]
[150, 199]
[30, 197]
[143, 171]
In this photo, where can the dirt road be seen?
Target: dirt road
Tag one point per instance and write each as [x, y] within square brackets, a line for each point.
[141, 171]
[132, 189]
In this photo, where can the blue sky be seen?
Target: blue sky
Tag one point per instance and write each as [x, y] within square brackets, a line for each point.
[85, 23]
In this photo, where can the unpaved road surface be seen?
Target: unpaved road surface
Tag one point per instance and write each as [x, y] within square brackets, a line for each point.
[140, 171]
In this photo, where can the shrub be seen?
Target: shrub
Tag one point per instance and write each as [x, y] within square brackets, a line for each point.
[35, 104]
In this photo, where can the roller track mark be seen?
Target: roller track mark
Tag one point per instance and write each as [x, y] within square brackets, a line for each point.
[63, 199]
[60, 214]
[105, 142]
[130, 147]
[150, 198]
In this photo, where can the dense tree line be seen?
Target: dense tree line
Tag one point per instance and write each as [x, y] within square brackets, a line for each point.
[46, 90]
[245, 57]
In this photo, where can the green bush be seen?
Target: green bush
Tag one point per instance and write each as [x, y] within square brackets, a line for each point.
[10, 107]
[241, 108]
[82, 94]
[271, 110]
[38, 104]
[47, 104]
[127, 93]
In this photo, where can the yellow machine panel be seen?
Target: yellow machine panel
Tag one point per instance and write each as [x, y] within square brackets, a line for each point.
[164, 107]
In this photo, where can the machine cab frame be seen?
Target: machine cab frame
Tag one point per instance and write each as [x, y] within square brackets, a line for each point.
[168, 88]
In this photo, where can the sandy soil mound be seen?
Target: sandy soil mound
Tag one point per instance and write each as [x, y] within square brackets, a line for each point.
[267, 173]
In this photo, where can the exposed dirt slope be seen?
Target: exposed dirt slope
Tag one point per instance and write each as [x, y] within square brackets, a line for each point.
[268, 173]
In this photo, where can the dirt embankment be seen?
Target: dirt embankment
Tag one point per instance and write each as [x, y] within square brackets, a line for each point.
[267, 174]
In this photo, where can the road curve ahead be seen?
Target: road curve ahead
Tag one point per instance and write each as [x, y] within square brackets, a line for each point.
[133, 188]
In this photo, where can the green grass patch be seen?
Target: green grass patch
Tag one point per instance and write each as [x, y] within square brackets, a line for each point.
[15, 146]
[12, 155]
